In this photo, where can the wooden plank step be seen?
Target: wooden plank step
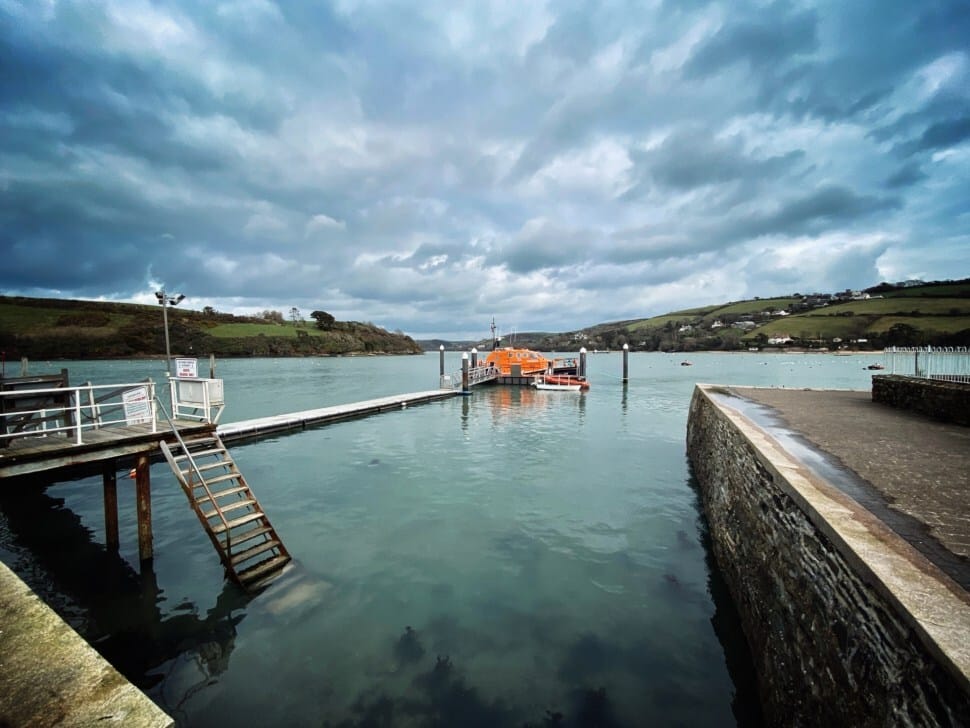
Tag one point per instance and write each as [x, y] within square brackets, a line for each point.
[234, 506]
[221, 478]
[199, 454]
[238, 538]
[254, 551]
[221, 493]
[248, 518]
[206, 466]
[247, 576]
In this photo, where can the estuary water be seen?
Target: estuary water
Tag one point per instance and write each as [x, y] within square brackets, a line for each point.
[511, 558]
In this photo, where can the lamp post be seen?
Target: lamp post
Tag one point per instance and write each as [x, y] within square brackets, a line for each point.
[165, 300]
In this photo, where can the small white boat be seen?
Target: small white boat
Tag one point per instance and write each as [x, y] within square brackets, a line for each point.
[541, 383]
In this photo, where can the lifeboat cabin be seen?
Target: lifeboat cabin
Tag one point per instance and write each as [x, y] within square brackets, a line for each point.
[530, 362]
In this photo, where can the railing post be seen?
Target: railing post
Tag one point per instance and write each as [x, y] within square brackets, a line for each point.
[77, 415]
[154, 405]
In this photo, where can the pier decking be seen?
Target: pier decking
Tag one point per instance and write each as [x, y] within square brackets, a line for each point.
[259, 427]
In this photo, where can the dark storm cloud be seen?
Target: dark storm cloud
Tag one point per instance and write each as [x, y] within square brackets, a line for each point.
[761, 42]
[390, 162]
[908, 174]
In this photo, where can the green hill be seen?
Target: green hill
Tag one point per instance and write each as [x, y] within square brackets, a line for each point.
[932, 314]
[40, 328]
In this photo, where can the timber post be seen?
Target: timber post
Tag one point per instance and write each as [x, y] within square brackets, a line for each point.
[626, 363]
[474, 357]
[110, 478]
[441, 360]
[464, 373]
[143, 491]
[582, 362]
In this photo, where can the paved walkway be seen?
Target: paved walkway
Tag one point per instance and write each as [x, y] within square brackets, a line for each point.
[916, 466]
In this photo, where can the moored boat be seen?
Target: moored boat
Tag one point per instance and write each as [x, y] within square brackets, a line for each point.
[542, 382]
[566, 379]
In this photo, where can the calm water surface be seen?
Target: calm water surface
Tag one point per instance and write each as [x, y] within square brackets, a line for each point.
[510, 558]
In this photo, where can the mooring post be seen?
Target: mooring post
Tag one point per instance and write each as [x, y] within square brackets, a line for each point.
[582, 361]
[474, 357]
[441, 360]
[464, 373]
[626, 363]
[110, 478]
[212, 366]
[23, 366]
[143, 491]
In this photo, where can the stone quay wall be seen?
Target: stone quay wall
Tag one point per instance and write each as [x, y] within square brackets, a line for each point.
[831, 643]
[943, 401]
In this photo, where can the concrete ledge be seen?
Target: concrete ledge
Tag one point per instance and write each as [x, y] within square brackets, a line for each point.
[941, 400]
[49, 676]
[848, 624]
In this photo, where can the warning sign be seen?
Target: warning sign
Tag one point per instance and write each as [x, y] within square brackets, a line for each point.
[188, 368]
[138, 410]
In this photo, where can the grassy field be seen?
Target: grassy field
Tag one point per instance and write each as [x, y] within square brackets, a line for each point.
[946, 289]
[231, 331]
[744, 307]
[902, 306]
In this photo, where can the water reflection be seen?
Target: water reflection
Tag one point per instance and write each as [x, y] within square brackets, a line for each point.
[116, 608]
[746, 704]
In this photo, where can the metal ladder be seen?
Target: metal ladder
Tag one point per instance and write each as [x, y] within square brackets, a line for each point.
[248, 545]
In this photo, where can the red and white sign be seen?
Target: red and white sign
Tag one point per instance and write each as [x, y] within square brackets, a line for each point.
[188, 368]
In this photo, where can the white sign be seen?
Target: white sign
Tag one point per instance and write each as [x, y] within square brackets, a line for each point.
[187, 368]
[138, 410]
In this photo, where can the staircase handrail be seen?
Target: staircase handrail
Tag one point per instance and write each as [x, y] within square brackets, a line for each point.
[198, 474]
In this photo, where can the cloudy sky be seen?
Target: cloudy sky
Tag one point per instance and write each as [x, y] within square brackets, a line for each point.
[427, 165]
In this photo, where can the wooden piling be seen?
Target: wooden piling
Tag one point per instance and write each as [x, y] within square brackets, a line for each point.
[582, 362]
[464, 374]
[110, 477]
[441, 360]
[474, 357]
[626, 363]
[144, 506]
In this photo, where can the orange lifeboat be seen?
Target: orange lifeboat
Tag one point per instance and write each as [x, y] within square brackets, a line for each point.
[530, 362]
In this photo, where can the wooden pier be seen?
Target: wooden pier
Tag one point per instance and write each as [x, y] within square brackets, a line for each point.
[37, 445]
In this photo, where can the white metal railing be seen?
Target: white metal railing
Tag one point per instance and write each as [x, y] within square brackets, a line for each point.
[73, 411]
[476, 375]
[950, 364]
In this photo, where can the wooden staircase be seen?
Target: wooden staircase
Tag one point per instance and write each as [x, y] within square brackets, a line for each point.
[249, 547]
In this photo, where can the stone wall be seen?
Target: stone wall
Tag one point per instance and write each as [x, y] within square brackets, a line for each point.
[828, 646]
[943, 401]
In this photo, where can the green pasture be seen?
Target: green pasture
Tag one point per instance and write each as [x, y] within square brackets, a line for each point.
[900, 306]
[743, 307]
[961, 289]
[936, 325]
[232, 331]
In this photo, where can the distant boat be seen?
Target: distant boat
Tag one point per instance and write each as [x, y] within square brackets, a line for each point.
[686, 363]
[875, 366]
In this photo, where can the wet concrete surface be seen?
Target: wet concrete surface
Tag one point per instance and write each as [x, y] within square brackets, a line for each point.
[909, 470]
